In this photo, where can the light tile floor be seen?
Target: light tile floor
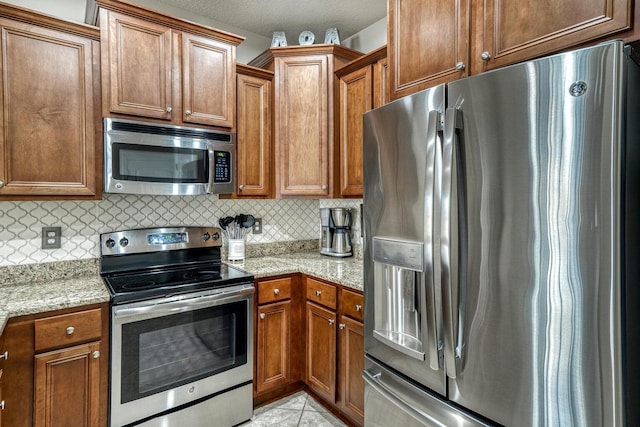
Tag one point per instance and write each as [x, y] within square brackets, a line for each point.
[299, 409]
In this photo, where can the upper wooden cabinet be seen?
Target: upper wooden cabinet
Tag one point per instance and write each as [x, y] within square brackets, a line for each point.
[50, 139]
[432, 41]
[163, 68]
[254, 131]
[427, 43]
[304, 114]
[362, 87]
[514, 31]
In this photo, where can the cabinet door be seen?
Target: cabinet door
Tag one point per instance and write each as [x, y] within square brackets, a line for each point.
[273, 346]
[321, 351]
[350, 367]
[1, 400]
[254, 136]
[516, 31]
[67, 387]
[139, 56]
[380, 83]
[355, 100]
[427, 43]
[48, 139]
[302, 136]
[208, 77]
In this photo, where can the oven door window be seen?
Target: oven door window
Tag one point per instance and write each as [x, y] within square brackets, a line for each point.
[148, 163]
[169, 351]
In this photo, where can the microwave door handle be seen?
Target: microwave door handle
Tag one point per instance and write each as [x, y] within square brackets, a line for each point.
[431, 237]
[449, 241]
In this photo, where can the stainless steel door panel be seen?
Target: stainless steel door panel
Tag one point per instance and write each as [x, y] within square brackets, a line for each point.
[539, 335]
[401, 157]
[390, 400]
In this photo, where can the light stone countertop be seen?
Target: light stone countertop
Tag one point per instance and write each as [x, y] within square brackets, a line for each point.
[38, 288]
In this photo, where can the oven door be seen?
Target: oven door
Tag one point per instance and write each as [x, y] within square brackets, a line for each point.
[172, 352]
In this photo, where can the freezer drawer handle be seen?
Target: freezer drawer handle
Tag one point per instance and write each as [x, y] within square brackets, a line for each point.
[374, 379]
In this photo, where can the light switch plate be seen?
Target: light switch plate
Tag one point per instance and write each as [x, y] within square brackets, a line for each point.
[51, 237]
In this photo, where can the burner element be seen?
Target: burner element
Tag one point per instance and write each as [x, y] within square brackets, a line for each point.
[144, 284]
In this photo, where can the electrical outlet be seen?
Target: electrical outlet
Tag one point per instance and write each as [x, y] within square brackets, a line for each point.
[257, 227]
[51, 237]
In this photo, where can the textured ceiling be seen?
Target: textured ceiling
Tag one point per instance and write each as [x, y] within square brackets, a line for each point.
[263, 17]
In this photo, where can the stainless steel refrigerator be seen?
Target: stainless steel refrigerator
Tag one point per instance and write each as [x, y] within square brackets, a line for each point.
[501, 222]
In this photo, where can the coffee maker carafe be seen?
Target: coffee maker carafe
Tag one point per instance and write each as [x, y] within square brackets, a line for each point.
[336, 232]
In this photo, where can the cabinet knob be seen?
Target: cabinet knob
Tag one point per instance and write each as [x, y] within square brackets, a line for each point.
[276, 291]
[70, 330]
[2, 406]
[485, 56]
[169, 109]
[324, 187]
[342, 325]
[95, 354]
[241, 187]
[188, 112]
[1, 184]
[331, 321]
[4, 355]
[358, 307]
[460, 66]
[262, 315]
[318, 293]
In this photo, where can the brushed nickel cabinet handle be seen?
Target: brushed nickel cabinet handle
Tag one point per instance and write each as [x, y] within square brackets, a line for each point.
[95, 354]
[169, 109]
[276, 291]
[262, 316]
[188, 112]
[318, 293]
[1, 184]
[70, 330]
[342, 326]
[324, 187]
[4, 355]
[2, 406]
[331, 321]
[485, 56]
[460, 66]
[241, 187]
[358, 307]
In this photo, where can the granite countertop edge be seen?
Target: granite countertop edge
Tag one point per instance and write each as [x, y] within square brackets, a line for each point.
[82, 284]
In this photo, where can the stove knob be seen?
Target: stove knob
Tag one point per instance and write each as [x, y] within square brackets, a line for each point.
[216, 236]
[124, 241]
[110, 243]
[206, 236]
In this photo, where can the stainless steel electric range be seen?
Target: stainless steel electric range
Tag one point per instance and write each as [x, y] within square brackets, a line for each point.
[181, 329]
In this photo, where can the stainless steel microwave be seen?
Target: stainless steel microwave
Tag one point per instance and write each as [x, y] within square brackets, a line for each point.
[150, 158]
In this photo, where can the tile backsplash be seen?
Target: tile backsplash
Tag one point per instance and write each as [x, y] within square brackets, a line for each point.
[82, 221]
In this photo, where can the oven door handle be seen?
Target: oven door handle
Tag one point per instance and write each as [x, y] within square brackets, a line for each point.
[166, 306]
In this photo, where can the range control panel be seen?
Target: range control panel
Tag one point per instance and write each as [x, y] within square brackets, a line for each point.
[158, 239]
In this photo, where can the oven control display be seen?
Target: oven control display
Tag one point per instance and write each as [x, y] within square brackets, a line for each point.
[167, 238]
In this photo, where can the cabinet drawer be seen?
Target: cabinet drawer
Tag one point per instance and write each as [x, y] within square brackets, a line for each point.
[321, 293]
[274, 290]
[352, 304]
[68, 329]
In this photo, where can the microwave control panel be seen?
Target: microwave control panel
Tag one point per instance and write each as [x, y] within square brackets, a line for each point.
[222, 165]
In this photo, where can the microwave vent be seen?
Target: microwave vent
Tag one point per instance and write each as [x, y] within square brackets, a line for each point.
[170, 131]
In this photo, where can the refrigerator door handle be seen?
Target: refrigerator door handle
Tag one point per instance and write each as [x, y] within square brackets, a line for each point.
[449, 240]
[432, 202]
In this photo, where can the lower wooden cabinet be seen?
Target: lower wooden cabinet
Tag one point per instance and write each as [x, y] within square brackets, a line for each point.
[67, 387]
[299, 342]
[350, 366]
[57, 368]
[1, 399]
[321, 355]
[273, 368]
